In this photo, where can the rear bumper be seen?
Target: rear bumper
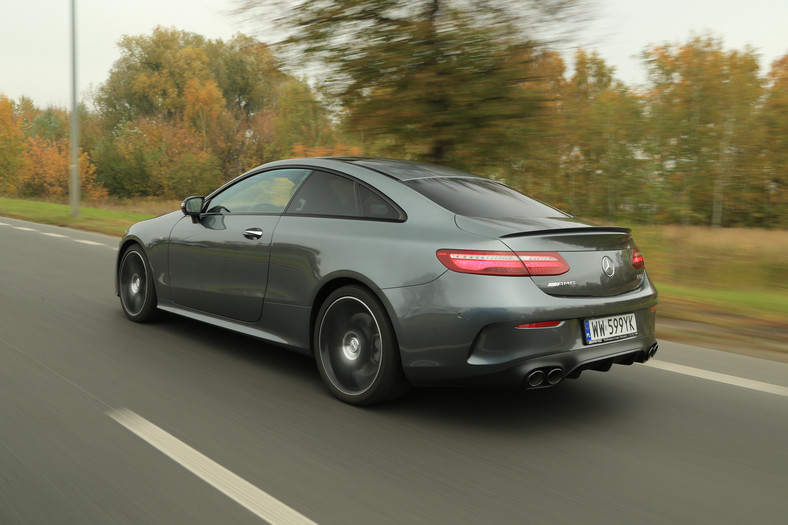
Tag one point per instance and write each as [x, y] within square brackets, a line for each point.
[467, 334]
[547, 371]
[516, 369]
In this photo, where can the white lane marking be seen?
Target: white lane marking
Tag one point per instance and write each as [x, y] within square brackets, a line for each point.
[58, 235]
[255, 500]
[720, 378]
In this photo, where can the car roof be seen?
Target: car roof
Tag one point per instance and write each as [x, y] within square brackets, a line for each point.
[405, 170]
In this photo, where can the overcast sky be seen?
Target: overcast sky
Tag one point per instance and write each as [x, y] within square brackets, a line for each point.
[35, 35]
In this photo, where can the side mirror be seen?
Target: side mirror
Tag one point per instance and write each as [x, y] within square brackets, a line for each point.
[193, 207]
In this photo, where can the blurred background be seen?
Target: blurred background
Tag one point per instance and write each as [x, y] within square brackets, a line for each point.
[690, 149]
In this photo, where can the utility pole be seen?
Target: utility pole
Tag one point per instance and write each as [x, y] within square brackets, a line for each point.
[73, 184]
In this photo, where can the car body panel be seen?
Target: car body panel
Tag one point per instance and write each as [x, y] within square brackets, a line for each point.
[154, 236]
[214, 268]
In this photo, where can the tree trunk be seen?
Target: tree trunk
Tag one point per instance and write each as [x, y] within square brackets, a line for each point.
[716, 212]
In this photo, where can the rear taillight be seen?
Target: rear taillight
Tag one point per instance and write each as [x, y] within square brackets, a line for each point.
[637, 259]
[544, 263]
[503, 263]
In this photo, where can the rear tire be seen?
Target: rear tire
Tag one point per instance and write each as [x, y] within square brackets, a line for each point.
[135, 286]
[356, 349]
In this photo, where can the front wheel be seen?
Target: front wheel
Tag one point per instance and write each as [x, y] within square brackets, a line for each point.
[356, 349]
[135, 284]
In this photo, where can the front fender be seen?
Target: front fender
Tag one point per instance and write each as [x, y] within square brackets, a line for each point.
[153, 235]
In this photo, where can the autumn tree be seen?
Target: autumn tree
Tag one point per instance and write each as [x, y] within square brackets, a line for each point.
[51, 124]
[203, 103]
[230, 95]
[247, 73]
[12, 146]
[583, 145]
[774, 198]
[536, 167]
[701, 99]
[27, 111]
[150, 77]
[434, 79]
[150, 157]
[45, 171]
[120, 156]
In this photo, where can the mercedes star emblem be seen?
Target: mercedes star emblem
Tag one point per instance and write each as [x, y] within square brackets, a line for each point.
[607, 266]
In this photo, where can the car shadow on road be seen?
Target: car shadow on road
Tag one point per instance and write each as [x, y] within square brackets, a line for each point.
[595, 397]
[235, 346]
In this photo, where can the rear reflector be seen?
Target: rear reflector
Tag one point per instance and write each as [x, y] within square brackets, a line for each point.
[503, 263]
[541, 324]
[637, 259]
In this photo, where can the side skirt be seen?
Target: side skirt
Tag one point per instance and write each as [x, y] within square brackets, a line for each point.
[253, 330]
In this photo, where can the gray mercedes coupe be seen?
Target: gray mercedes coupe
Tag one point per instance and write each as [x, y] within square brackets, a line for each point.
[394, 273]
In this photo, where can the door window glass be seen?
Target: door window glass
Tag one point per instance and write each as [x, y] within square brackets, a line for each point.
[266, 192]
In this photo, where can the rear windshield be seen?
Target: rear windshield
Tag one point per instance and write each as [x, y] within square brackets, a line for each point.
[481, 198]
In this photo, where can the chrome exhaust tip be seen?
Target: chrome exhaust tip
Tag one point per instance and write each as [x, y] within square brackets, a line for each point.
[555, 375]
[535, 378]
[653, 350]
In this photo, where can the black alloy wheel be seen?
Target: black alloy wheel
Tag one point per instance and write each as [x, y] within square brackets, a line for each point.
[356, 349]
[135, 284]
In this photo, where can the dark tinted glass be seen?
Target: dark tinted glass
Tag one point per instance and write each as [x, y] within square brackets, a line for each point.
[325, 194]
[481, 198]
[376, 207]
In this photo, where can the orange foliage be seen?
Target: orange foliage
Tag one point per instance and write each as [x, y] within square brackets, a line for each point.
[45, 171]
[337, 150]
[175, 158]
[778, 95]
[12, 145]
[204, 103]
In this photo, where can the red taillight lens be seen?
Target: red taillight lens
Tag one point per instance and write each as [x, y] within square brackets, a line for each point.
[485, 263]
[637, 259]
[544, 263]
[503, 263]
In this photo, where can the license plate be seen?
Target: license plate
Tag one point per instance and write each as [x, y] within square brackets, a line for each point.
[610, 328]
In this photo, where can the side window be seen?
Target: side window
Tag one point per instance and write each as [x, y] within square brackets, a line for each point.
[373, 206]
[325, 194]
[266, 192]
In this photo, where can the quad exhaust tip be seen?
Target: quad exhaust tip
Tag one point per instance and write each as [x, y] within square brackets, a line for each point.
[554, 376]
[536, 378]
[545, 377]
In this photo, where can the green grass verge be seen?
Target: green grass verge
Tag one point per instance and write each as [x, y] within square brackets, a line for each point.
[705, 303]
[110, 222]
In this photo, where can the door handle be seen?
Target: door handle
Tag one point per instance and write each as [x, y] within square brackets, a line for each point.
[253, 233]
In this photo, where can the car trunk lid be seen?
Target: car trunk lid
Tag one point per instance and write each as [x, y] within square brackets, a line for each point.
[600, 258]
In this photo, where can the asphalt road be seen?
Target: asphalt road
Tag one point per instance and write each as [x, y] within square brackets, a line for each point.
[232, 421]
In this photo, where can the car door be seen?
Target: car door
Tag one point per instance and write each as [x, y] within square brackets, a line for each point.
[219, 263]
